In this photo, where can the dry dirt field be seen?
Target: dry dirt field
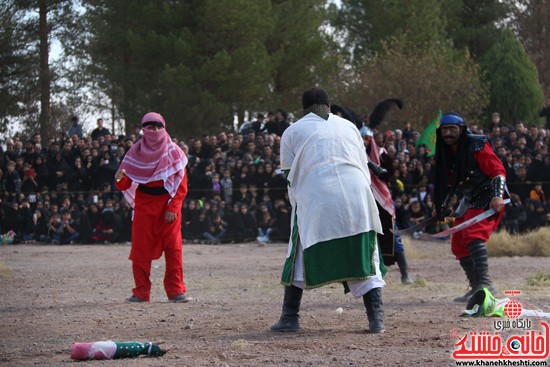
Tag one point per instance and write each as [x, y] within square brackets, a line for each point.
[51, 296]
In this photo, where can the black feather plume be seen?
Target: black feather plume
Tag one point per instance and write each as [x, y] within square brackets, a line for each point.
[348, 114]
[381, 109]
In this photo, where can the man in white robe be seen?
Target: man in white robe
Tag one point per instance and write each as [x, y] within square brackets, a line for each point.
[334, 215]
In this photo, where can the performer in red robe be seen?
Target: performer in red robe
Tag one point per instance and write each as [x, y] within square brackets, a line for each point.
[467, 166]
[152, 178]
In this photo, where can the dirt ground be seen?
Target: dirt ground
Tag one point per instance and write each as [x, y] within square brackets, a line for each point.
[52, 296]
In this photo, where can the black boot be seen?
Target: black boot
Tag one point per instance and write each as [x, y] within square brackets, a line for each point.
[291, 307]
[479, 255]
[467, 263]
[375, 310]
[403, 268]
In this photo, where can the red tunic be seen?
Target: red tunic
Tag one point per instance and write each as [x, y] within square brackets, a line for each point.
[151, 234]
[492, 167]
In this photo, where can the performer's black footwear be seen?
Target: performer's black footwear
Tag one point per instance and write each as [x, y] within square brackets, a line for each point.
[375, 310]
[478, 250]
[181, 298]
[403, 268]
[467, 263]
[135, 299]
[291, 306]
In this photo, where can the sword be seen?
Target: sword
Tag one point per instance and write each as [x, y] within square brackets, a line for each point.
[470, 222]
[416, 227]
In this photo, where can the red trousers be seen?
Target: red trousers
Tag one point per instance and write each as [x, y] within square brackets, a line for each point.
[173, 277]
[479, 231]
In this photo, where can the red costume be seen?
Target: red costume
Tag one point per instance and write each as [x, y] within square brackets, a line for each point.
[467, 166]
[492, 167]
[155, 185]
[151, 236]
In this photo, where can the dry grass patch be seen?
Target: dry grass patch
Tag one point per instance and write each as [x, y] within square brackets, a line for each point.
[539, 279]
[534, 243]
[4, 270]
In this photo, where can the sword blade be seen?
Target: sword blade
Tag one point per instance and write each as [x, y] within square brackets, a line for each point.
[416, 227]
[470, 222]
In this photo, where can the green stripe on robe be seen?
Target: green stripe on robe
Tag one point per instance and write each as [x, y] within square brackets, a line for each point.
[338, 260]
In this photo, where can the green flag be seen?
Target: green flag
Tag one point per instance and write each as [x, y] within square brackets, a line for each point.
[428, 136]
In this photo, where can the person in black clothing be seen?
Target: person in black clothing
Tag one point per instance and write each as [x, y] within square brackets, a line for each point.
[282, 121]
[515, 216]
[11, 181]
[249, 222]
[199, 225]
[282, 223]
[41, 170]
[235, 226]
[80, 181]
[99, 130]
[28, 183]
[258, 125]
[106, 170]
[59, 173]
[545, 112]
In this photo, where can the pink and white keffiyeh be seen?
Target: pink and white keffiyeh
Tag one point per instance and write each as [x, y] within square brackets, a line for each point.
[154, 157]
[380, 189]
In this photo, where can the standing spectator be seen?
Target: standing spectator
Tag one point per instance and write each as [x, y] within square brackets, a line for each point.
[11, 181]
[59, 173]
[495, 122]
[80, 181]
[243, 195]
[216, 185]
[282, 121]
[75, 128]
[545, 112]
[258, 125]
[272, 124]
[41, 170]
[152, 177]
[520, 184]
[99, 130]
[28, 183]
[227, 187]
[106, 170]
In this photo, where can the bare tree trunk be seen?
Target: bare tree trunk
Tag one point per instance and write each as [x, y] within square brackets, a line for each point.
[44, 69]
[113, 116]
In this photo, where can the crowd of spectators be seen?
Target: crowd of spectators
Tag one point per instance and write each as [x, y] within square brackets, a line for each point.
[62, 190]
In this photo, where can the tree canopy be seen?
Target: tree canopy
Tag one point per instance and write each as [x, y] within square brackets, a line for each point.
[512, 77]
[201, 63]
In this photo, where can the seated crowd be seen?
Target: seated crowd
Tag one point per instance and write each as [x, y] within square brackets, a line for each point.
[63, 191]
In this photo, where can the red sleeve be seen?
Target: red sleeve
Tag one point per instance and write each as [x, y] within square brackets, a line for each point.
[177, 201]
[489, 163]
[124, 184]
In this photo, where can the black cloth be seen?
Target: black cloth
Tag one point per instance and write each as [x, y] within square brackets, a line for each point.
[545, 112]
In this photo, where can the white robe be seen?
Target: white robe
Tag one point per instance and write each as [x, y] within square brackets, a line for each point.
[329, 180]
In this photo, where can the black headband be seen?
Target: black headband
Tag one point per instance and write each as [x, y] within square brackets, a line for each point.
[156, 123]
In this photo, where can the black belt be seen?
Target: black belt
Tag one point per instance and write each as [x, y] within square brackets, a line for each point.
[157, 190]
